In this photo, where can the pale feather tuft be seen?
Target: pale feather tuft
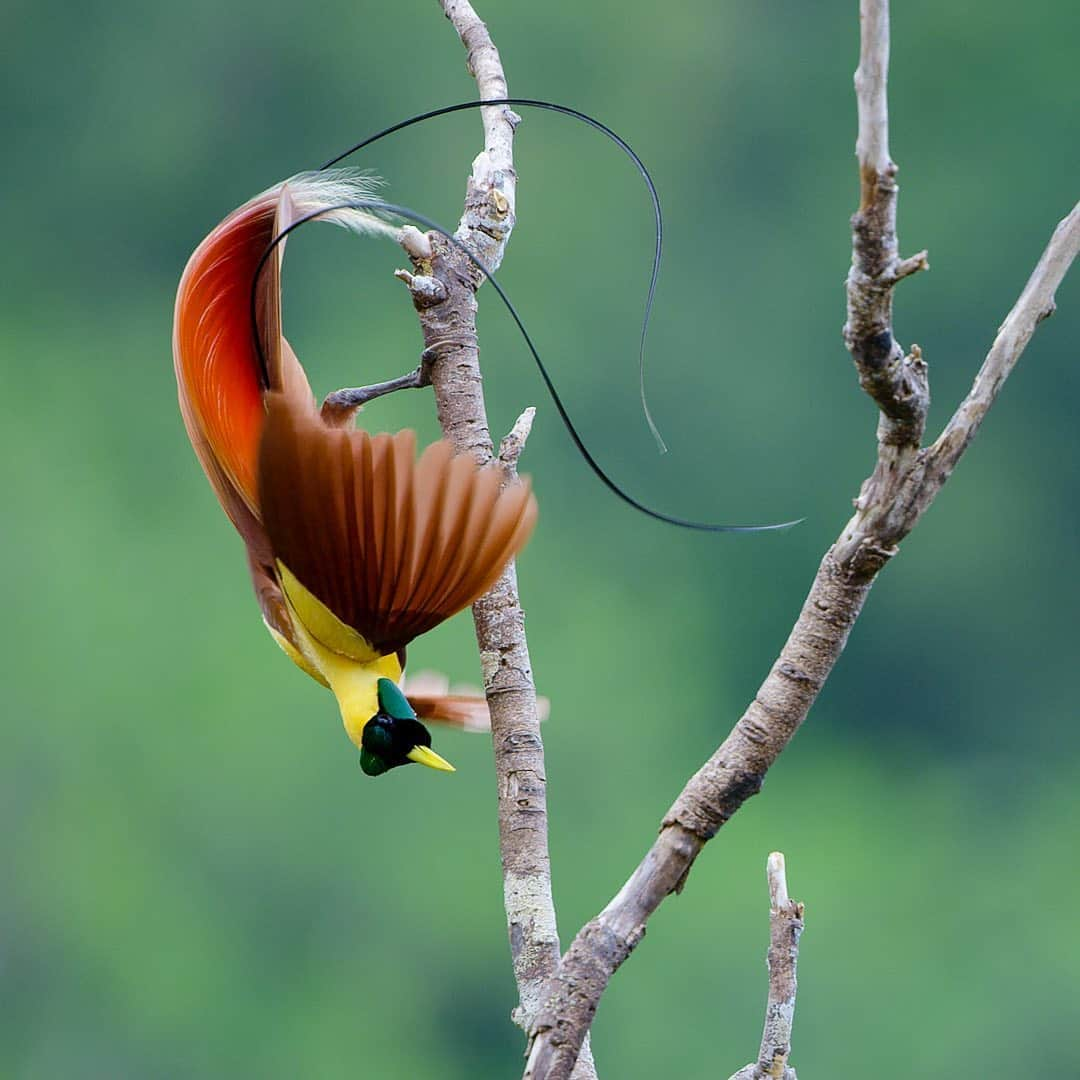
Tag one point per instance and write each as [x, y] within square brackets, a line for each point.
[312, 191]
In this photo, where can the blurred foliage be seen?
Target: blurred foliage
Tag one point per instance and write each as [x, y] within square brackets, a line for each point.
[197, 879]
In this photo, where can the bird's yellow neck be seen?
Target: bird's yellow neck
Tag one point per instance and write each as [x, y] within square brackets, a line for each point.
[343, 659]
[355, 685]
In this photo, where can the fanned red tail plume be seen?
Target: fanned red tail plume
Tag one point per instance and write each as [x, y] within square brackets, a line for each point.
[217, 367]
[220, 377]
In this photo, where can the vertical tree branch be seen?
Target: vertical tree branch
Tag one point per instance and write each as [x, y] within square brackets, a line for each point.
[905, 481]
[443, 287]
[897, 382]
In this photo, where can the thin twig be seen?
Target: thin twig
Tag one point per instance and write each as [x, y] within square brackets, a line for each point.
[443, 285]
[904, 483]
[1035, 304]
[785, 929]
[513, 442]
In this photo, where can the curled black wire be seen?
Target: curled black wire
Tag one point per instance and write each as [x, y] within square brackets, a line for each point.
[620, 142]
[377, 206]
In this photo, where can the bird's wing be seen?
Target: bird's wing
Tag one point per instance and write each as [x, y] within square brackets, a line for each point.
[391, 545]
[459, 710]
[461, 705]
[466, 711]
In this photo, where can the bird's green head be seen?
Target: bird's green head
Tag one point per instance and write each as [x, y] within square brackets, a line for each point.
[393, 736]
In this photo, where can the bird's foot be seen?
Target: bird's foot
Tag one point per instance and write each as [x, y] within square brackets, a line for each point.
[341, 406]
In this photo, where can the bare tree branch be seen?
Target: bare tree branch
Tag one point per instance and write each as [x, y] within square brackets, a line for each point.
[785, 929]
[443, 286]
[904, 483]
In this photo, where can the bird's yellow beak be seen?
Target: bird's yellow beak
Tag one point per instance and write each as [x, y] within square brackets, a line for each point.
[426, 756]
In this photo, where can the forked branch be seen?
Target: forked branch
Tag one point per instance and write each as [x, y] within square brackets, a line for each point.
[905, 481]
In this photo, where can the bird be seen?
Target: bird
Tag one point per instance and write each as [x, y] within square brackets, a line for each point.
[356, 546]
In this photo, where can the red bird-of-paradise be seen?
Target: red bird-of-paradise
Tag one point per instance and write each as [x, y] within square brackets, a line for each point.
[355, 545]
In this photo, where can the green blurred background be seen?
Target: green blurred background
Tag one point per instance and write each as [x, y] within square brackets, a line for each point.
[195, 878]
